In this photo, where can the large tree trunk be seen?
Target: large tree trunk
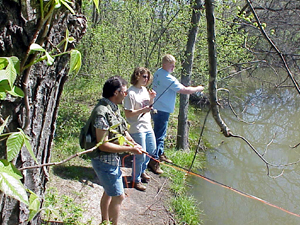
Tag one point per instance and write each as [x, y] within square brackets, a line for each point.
[19, 21]
[183, 126]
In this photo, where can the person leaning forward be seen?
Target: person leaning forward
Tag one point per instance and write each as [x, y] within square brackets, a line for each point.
[166, 87]
[105, 162]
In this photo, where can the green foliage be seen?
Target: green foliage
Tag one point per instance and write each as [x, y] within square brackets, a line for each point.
[10, 182]
[186, 209]
[130, 34]
[34, 205]
[65, 3]
[9, 69]
[184, 206]
[75, 62]
[75, 55]
[38, 48]
[15, 142]
[10, 177]
[61, 208]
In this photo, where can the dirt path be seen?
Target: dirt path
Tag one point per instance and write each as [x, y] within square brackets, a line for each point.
[149, 207]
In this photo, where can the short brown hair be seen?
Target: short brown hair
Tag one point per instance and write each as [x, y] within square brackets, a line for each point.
[168, 59]
[139, 71]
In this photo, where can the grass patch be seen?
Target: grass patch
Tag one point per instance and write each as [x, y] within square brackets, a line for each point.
[61, 208]
[185, 208]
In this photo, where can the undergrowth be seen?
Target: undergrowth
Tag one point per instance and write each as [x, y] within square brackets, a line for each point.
[184, 206]
[61, 208]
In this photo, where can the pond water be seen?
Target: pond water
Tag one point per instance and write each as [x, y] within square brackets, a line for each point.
[272, 128]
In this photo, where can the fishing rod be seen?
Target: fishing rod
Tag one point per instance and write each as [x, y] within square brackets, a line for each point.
[157, 98]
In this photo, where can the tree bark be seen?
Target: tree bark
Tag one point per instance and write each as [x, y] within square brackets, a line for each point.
[183, 126]
[212, 54]
[18, 26]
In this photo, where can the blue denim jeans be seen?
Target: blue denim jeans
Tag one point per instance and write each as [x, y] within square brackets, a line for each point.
[160, 120]
[110, 177]
[140, 162]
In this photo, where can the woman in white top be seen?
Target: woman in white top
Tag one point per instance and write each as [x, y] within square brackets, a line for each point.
[137, 111]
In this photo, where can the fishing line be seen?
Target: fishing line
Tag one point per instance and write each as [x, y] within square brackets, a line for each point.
[199, 141]
[177, 167]
[157, 98]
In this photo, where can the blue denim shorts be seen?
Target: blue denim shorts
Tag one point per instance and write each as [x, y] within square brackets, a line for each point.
[110, 177]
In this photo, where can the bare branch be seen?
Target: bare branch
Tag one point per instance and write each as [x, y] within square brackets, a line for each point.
[295, 146]
[268, 164]
[61, 162]
[231, 108]
[274, 47]
[269, 144]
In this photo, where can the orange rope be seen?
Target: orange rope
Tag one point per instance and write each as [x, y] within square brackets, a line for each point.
[226, 186]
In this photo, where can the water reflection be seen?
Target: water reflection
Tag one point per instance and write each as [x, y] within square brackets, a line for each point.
[276, 122]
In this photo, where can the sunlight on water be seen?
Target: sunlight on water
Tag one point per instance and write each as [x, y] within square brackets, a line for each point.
[232, 162]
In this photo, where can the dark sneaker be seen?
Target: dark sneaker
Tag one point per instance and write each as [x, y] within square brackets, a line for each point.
[154, 167]
[163, 157]
[145, 178]
[139, 186]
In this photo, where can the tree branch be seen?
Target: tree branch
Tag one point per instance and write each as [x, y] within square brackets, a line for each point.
[61, 162]
[274, 47]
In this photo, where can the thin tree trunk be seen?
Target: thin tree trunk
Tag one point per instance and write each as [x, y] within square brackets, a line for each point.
[212, 54]
[183, 126]
[44, 89]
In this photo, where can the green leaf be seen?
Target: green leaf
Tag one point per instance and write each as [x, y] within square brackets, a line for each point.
[11, 72]
[3, 125]
[75, 62]
[11, 185]
[71, 39]
[3, 63]
[5, 85]
[67, 33]
[3, 75]
[37, 48]
[96, 2]
[9, 166]
[14, 144]
[2, 95]
[28, 146]
[115, 126]
[16, 63]
[57, 4]
[51, 210]
[50, 60]
[16, 91]
[34, 205]
[67, 6]
[122, 140]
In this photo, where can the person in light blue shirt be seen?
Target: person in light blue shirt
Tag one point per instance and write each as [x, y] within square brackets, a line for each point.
[166, 87]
